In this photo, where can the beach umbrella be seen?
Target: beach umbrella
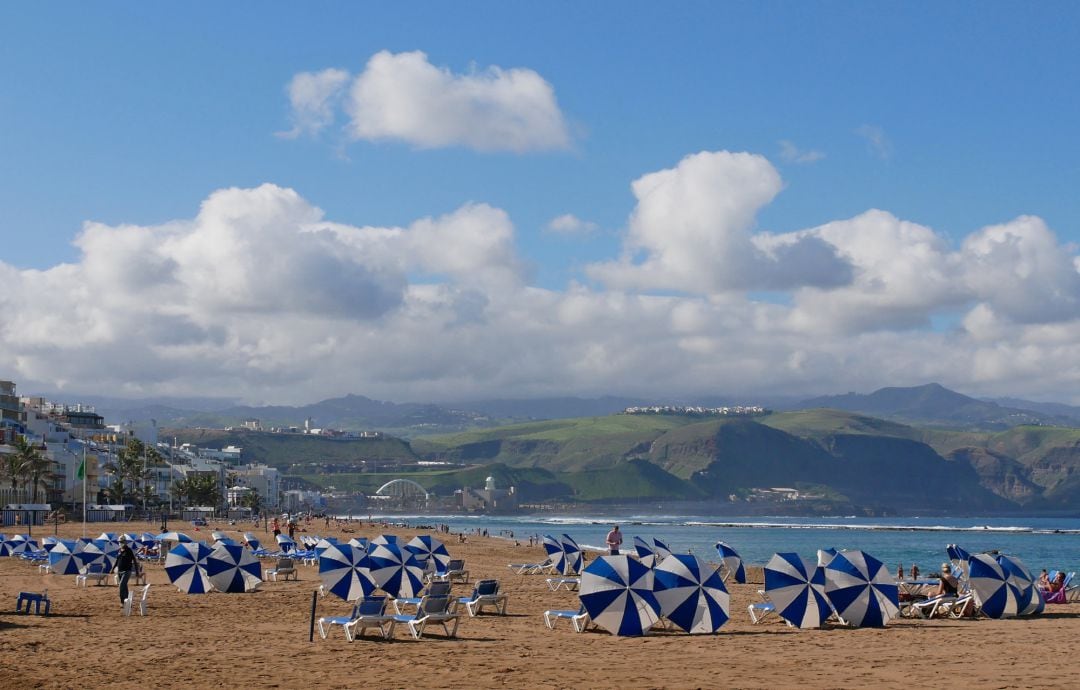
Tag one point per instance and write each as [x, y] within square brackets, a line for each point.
[359, 542]
[343, 573]
[861, 589]
[98, 551]
[556, 555]
[996, 596]
[427, 548]
[733, 565]
[185, 565]
[394, 571]
[385, 539]
[12, 547]
[285, 544]
[175, 537]
[1019, 576]
[617, 592]
[109, 536]
[691, 594]
[643, 548]
[62, 559]
[218, 535]
[661, 548]
[232, 568]
[796, 586]
[49, 542]
[575, 559]
[226, 541]
[148, 540]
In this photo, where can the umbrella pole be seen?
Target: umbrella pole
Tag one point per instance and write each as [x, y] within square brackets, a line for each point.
[311, 628]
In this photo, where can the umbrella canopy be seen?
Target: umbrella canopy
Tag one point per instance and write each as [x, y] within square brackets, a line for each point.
[796, 587]
[185, 565]
[959, 557]
[98, 551]
[343, 573]
[218, 535]
[1019, 576]
[575, 559]
[385, 539]
[109, 536]
[49, 542]
[994, 593]
[642, 547]
[232, 568]
[285, 543]
[359, 542]
[691, 594]
[227, 541]
[62, 559]
[148, 540]
[14, 547]
[861, 589]
[651, 551]
[555, 552]
[394, 571]
[427, 548]
[175, 537]
[733, 565]
[617, 592]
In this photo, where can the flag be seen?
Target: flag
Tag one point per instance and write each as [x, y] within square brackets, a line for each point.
[82, 469]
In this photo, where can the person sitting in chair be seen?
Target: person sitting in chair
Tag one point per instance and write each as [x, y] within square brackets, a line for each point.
[948, 584]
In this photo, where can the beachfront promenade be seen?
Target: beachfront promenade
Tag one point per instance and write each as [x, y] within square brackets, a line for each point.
[260, 640]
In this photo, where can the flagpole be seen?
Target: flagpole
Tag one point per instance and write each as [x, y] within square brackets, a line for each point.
[84, 488]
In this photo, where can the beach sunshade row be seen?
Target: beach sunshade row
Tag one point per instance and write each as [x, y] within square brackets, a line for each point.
[796, 586]
[691, 594]
[618, 593]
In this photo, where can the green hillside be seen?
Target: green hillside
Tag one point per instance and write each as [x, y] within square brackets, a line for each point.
[283, 450]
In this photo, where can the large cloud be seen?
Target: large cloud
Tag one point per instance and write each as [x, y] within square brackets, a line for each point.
[261, 296]
[404, 97]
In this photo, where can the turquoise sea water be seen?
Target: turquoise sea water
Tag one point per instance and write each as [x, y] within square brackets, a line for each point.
[1051, 543]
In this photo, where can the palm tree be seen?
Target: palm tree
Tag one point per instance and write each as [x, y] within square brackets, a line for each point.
[13, 469]
[35, 466]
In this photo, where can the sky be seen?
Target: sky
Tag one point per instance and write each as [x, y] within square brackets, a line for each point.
[282, 203]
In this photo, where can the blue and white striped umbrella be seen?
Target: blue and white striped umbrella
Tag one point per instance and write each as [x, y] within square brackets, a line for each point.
[49, 542]
[224, 541]
[98, 551]
[394, 571]
[148, 540]
[733, 565]
[643, 548]
[175, 537]
[996, 596]
[796, 586]
[62, 558]
[651, 551]
[691, 594]
[232, 568]
[185, 565]
[218, 535]
[427, 548]
[15, 547]
[1019, 576]
[575, 559]
[385, 539]
[285, 543]
[343, 572]
[617, 592]
[861, 589]
[959, 557]
[109, 536]
[554, 549]
[360, 543]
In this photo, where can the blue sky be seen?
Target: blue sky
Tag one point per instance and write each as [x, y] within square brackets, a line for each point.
[950, 119]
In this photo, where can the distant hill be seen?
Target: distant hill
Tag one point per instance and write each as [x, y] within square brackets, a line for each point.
[937, 405]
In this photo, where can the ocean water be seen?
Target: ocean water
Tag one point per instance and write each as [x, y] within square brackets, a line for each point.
[1051, 543]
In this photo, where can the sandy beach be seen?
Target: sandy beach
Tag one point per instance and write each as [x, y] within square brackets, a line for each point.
[260, 639]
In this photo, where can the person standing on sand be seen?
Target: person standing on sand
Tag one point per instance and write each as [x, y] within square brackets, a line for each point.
[614, 540]
[125, 564]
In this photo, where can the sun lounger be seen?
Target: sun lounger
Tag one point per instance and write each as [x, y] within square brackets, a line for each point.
[929, 608]
[439, 610]
[453, 572]
[486, 593]
[568, 583]
[286, 568]
[369, 612]
[547, 566]
[579, 618]
[94, 571]
[435, 589]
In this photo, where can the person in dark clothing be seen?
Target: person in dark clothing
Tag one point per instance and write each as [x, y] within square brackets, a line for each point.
[126, 563]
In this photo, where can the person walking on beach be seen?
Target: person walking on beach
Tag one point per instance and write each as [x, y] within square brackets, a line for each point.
[126, 563]
[614, 540]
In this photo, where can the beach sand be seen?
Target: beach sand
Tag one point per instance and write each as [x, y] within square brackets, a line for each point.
[260, 640]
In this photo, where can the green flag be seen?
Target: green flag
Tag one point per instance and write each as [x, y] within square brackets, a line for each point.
[82, 469]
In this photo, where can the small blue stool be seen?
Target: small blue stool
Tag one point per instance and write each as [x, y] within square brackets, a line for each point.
[33, 598]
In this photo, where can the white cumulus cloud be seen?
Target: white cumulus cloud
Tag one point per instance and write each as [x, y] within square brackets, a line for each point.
[313, 99]
[569, 224]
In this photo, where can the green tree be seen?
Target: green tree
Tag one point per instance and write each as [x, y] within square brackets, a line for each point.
[13, 469]
[36, 467]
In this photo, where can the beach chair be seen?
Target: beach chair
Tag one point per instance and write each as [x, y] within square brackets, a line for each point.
[434, 589]
[94, 571]
[485, 593]
[579, 618]
[286, 568]
[929, 608]
[547, 566]
[142, 602]
[570, 584]
[453, 572]
[370, 609]
[440, 610]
